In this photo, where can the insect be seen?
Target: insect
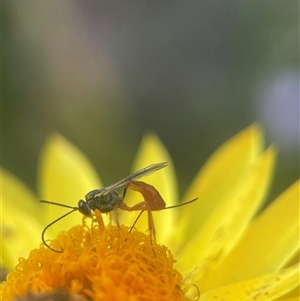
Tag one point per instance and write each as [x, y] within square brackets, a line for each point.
[108, 199]
[152, 202]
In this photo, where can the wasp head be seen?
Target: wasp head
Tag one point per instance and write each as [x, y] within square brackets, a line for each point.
[84, 208]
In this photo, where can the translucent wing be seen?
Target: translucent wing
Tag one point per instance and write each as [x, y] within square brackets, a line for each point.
[138, 174]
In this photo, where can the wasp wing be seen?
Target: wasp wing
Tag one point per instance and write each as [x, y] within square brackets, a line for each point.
[138, 174]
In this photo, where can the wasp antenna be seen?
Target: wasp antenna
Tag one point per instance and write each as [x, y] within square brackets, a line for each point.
[197, 291]
[131, 228]
[179, 205]
[58, 204]
[52, 223]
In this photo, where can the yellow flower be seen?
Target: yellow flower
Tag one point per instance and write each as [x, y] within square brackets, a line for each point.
[223, 245]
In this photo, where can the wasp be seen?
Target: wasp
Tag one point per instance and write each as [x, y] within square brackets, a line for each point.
[108, 199]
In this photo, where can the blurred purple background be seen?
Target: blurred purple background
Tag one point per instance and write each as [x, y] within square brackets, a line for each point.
[103, 73]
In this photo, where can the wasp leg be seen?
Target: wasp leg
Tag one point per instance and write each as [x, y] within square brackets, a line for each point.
[151, 226]
[116, 214]
[142, 206]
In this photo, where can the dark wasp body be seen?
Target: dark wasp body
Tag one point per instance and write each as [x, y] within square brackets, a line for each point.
[108, 199]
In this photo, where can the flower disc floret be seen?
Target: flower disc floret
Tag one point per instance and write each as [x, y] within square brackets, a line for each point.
[98, 263]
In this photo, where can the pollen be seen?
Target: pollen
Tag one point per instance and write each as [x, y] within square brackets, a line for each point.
[98, 263]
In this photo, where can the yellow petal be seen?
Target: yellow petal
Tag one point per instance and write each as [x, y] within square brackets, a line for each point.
[269, 242]
[153, 151]
[65, 176]
[227, 223]
[16, 192]
[220, 174]
[291, 294]
[264, 288]
[20, 226]
[20, 234]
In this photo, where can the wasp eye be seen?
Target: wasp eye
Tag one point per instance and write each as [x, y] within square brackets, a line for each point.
[84, 208]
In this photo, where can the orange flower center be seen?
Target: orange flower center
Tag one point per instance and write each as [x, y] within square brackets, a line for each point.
[98, 263]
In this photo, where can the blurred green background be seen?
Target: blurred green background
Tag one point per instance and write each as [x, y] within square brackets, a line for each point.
[103, 73]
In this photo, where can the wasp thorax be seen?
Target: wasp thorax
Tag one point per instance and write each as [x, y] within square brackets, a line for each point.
[84, 208]
[92, 194]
